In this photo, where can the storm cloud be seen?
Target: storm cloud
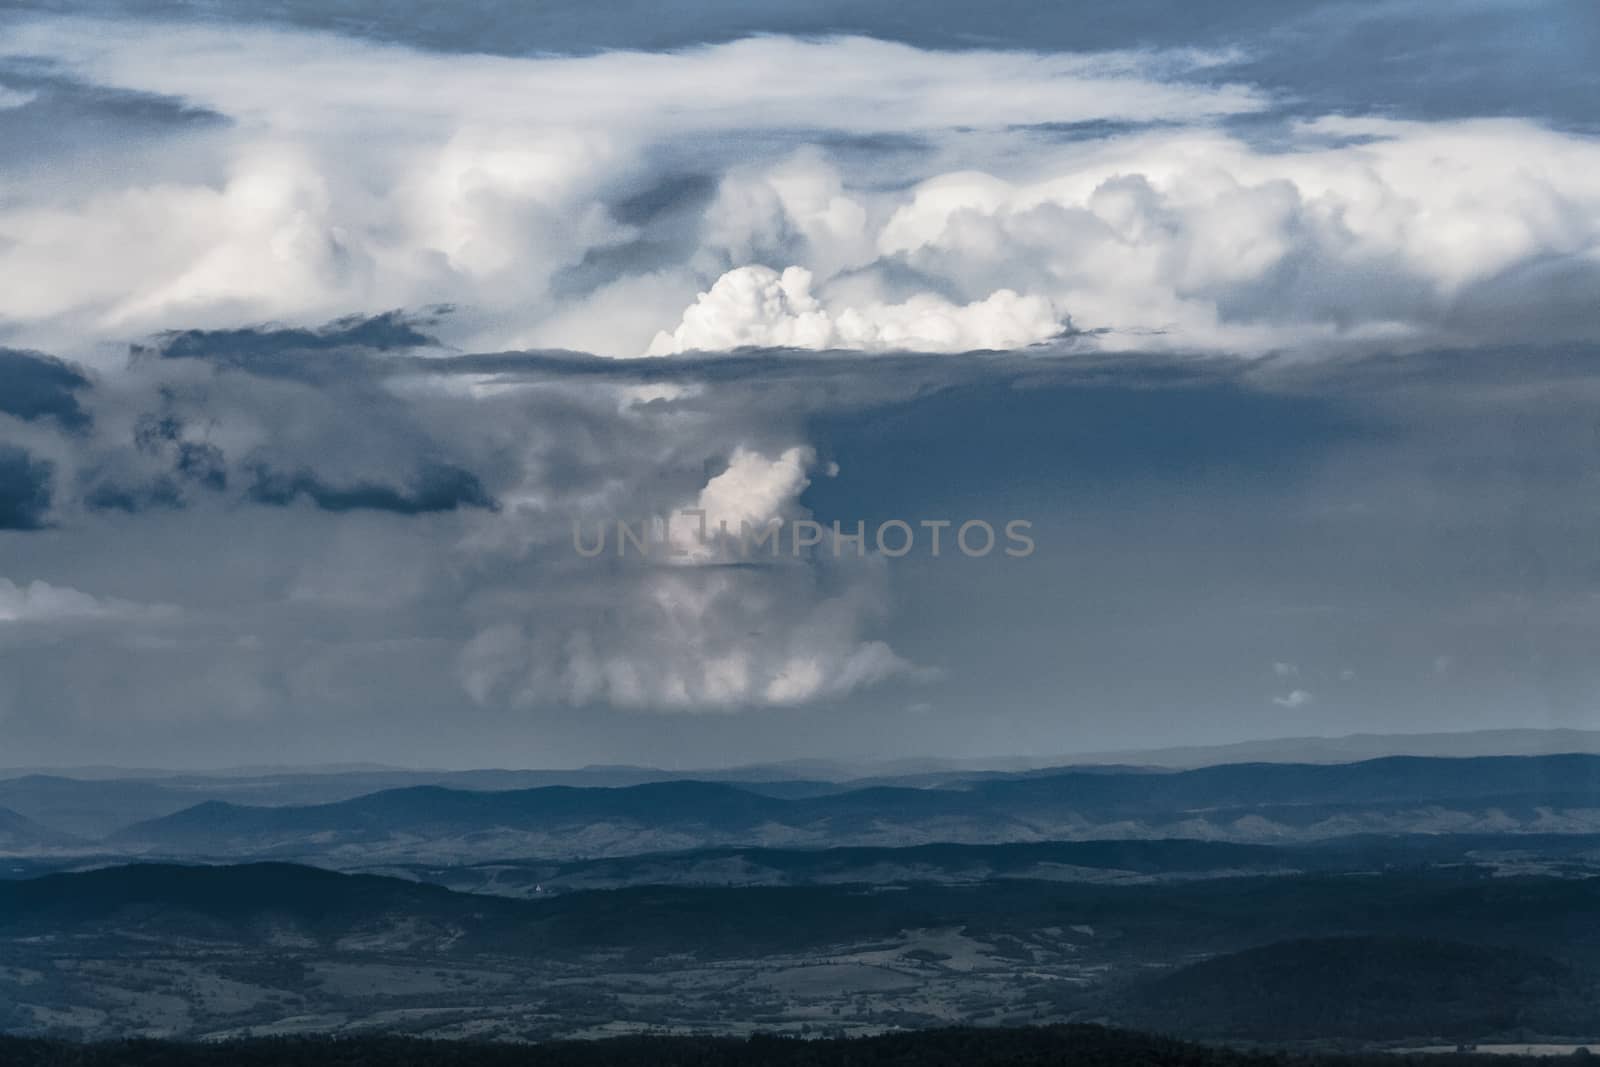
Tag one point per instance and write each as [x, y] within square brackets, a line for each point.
[841, 192]
[1359, 518]
[435, 488]
[324, 332]
[39, 387]
[24, 490]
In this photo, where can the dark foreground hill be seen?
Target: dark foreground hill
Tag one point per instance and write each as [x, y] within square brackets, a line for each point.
[256, 905]
[243, 951]
[263, 904]
[1368, 988]
[1105, 861]
[1061, 1046]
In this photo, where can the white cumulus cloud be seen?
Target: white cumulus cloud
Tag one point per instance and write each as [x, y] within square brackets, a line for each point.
[758, 306]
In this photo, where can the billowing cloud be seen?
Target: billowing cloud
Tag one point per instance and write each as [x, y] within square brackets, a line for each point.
[357, 423]
[353, 176]
[1289, 505]
[757, 306]
[706, 626]
[473, 469]
[753, 492]
[896, 199]
[1363, 231]
[1343, 232]
[706, 639]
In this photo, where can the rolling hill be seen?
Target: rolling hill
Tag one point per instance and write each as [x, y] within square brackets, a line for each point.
[247, 902]
[219, 951]
[1259, 803]
[1104, 861]
[1369, 988]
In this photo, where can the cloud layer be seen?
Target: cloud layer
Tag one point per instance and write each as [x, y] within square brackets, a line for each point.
[298, 415]
[836, 193]
[354, 537]
[448, 486]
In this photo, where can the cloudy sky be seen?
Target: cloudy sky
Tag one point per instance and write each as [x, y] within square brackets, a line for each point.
[320, 334]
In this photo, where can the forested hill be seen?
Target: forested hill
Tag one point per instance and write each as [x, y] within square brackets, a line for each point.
[1058, 1046]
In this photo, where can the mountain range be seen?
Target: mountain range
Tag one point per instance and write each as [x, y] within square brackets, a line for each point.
[1259, 803]
[94, 802]
[18, 833]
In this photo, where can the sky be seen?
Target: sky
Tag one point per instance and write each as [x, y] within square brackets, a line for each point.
[335, 344]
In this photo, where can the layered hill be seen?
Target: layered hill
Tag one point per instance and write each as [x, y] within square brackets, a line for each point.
[19, 833]
[1118, 862]
[263, 902]
[1246, 803]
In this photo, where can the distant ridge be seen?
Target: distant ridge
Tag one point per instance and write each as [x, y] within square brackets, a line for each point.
[1345, 748]
[1353, 747]
[1248, 802]
[18, 833]
[98, 806]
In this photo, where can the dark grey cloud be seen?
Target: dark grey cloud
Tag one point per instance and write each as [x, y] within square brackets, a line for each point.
[62, 115]
[322, 423]
[1410, 530]
[1066, 437]
[36, 386]
[199, 462]
[54, 97]
[669, 194]
[110, 496]
[365, 533]
[265, 349]
[437, 487]
[25, 493]
[666, 209]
